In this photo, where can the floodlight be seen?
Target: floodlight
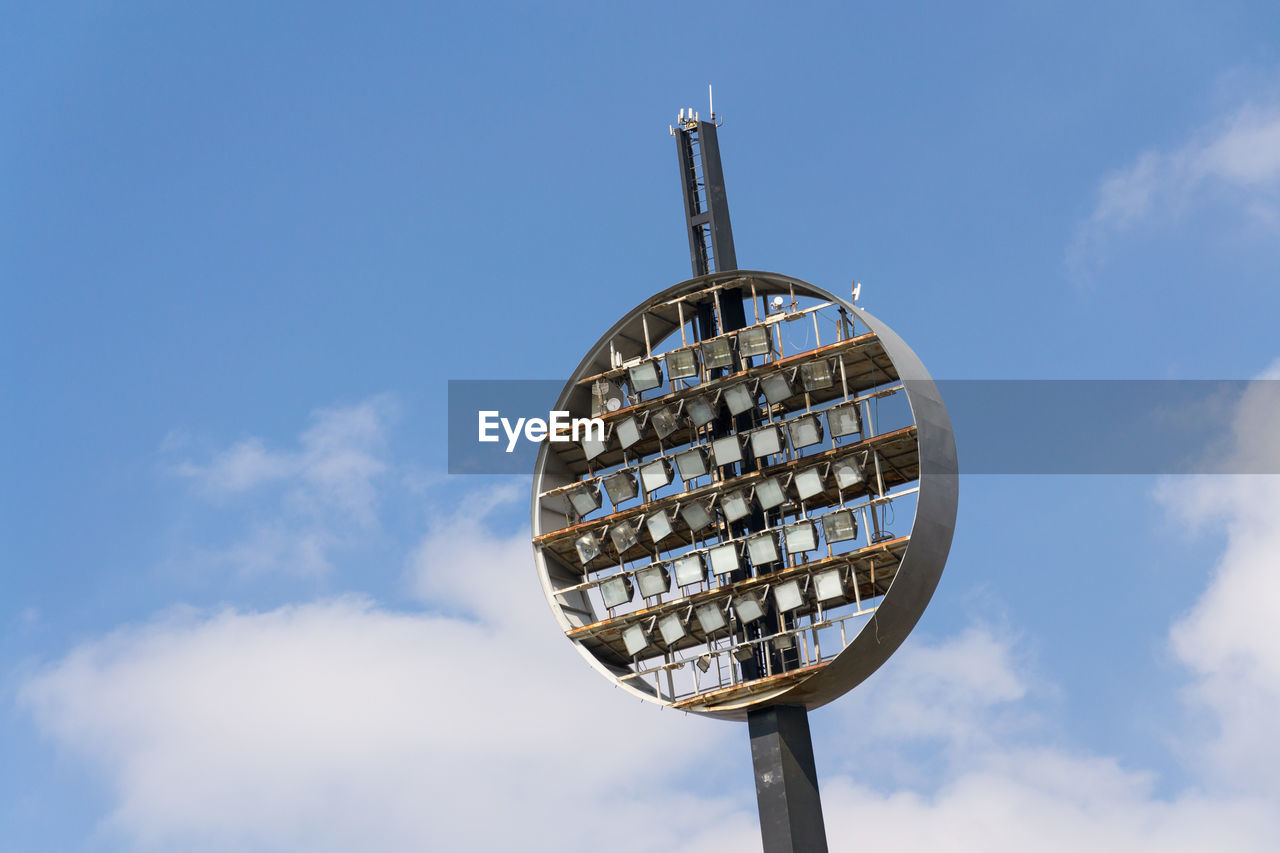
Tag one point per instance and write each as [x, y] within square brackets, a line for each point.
[606, 397]
[839, 525]
[700, 410]
[682, 363]
[711, 618]
[717, 353]
[645, 376]
[810, 482]
[621, 486]
[828, 585]
[688, 569]
[659, 526]
[848, 473]
[628, 432]
[769, 493]
[653, 580]
[696, 514]
[624, 536]
[744, 652]
[787, 595]
[776, 387]
[748, 607]
[739, 398]
[588, 547]
[762, 549]
[664, 422]
[692, 463]
[735, 505]
[656, 474]
[585, 498]
[784, 642]
[724, 558]
[727, 450]
[766, 441]
[616, 590]
[801, 536]
[672, 628]
[816, 375]
[703, 662]
[636, 639]
[593, 447]
[844, 419]
[754, 340]
[805, 431]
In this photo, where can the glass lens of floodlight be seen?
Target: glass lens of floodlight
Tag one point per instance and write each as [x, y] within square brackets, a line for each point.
[628, 432]
[776, 387]
[592, 448]
[606, 397]
[787, 595]
[786, 641]
[616, 590]
[621, 486]
[635, 639]
[688, 569]
[717, 353]
[762, 549]
[801, 536]
[696, 515]
[711, 618]
[656, 474]
[848, 473]
[816, 375]
[739, 398]
[805, 431]
[653, 580]
[672, 628]
[828, 585]
[664, 422]
[744, 652]
[735, 505]
[844, 419]
[839, 526]
[692, 463]
[700, 411]
[727, 449]
[624, 536]
[585, 499]
[659, 525]
[724, 558]
[748, 607]
[588, 547]
[645, 376]
[766, 441]
[703, 662]
[754, 340]
[809, 482]
[682, 363]
[770, 493]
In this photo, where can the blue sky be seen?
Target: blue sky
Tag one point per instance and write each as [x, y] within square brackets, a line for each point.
[242, 250]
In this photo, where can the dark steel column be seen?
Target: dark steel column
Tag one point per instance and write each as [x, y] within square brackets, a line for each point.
[706, 206]
[786, 781]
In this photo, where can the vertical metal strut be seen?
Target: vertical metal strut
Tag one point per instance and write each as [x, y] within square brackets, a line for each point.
[706, 208]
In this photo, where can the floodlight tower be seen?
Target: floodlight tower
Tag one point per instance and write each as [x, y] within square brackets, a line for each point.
[706, 554]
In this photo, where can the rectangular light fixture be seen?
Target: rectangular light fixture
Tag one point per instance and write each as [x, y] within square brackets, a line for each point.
[616, 590]
[653, 580]
[766, 441]
[700, 410]
[762, 549]
[784, 642]
[754, 340]
[672, 628]
[717, 353]
[656, 474]
[592, 447]
[727, 450]
[621, 486]
[606, 398]
[739, 398]
[688, 569]
[682, 363]
[839, 526]
[801, 536]
[787, 596]
[805, 431]
[645, 376]
[848, 473]
[776, 388]
[816, 375]
[810, 482]
[844, 419]
[585, 498]
[659, 525]
[588, 547]
[744, 652]
[624, 536]
[828, 585]
[711, 618]
[769, 493]
[724, 558]
[636, 639]
[748, 607]
[696, 514]
[628, 432]
[692, 463]
[735, 505]
[664, 421]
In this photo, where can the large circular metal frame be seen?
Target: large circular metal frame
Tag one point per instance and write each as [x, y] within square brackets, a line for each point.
[921, 564]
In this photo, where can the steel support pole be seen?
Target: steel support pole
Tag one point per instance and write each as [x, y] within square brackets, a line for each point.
[786, 781]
